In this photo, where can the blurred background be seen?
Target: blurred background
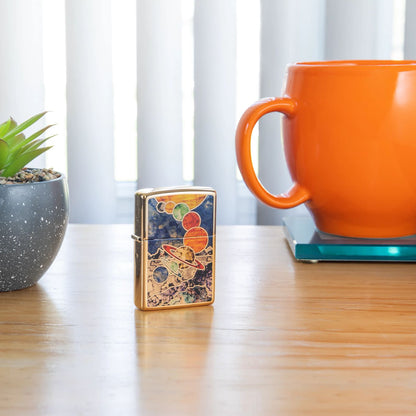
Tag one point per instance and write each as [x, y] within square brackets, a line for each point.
[148, 93]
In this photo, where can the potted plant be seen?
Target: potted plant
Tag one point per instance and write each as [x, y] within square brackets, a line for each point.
[33, 207]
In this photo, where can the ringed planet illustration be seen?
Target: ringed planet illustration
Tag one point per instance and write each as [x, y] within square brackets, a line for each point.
[173, 252]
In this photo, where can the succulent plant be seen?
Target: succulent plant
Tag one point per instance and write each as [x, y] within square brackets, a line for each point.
[16, 150]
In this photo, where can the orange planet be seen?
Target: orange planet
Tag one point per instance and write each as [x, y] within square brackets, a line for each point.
[191, 220]
[196, 238]
[169, 207]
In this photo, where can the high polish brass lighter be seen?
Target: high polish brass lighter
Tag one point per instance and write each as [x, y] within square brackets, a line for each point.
[174, 247]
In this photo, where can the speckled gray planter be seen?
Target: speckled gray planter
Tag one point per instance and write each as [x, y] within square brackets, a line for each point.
[33, 220]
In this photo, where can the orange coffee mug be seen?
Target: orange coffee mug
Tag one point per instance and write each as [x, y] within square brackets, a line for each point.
[349, 136]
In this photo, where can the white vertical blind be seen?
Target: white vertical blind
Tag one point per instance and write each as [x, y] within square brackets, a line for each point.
[290, 31]
[124, 54]
[90, 111]
[159, 120]
[54, 73]
[359, 29]
[215, 90]
[410, 30]
[21, 69]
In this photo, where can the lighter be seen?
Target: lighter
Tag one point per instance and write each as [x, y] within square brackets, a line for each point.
[174, 247]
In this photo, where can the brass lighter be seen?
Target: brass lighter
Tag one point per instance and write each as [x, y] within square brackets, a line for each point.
[174, 247]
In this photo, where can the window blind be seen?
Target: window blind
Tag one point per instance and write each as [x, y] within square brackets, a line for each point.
[290, 30]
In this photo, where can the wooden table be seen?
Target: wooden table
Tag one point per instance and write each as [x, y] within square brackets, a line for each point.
[282, 338]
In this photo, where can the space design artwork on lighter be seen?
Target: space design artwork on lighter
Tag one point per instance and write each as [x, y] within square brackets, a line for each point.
[175, 253]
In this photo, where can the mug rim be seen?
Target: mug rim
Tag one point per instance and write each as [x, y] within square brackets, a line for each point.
[357, 63]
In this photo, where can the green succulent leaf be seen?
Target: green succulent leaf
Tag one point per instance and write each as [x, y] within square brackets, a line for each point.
[23, 143]
[10, 124]
[4, 153]
[13, 123]
[16, 150]
[14, 141]
[5, 127]
[38, 133]
[19, 128]
[32, 146]
[20, 161]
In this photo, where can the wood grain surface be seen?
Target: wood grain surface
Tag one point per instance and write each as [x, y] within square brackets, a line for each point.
[282, 338]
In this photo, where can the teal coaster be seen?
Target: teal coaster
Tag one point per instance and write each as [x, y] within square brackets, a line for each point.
[309, 244]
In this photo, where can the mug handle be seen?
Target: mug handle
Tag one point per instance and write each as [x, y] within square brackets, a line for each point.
[296, 194]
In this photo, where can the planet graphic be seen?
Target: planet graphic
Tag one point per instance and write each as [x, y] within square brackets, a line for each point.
[160, 274]
[169, 207]
[191, 220]
[184, 256]
[180, 211]
[196, 238]
[174, 267]
[161, 206]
